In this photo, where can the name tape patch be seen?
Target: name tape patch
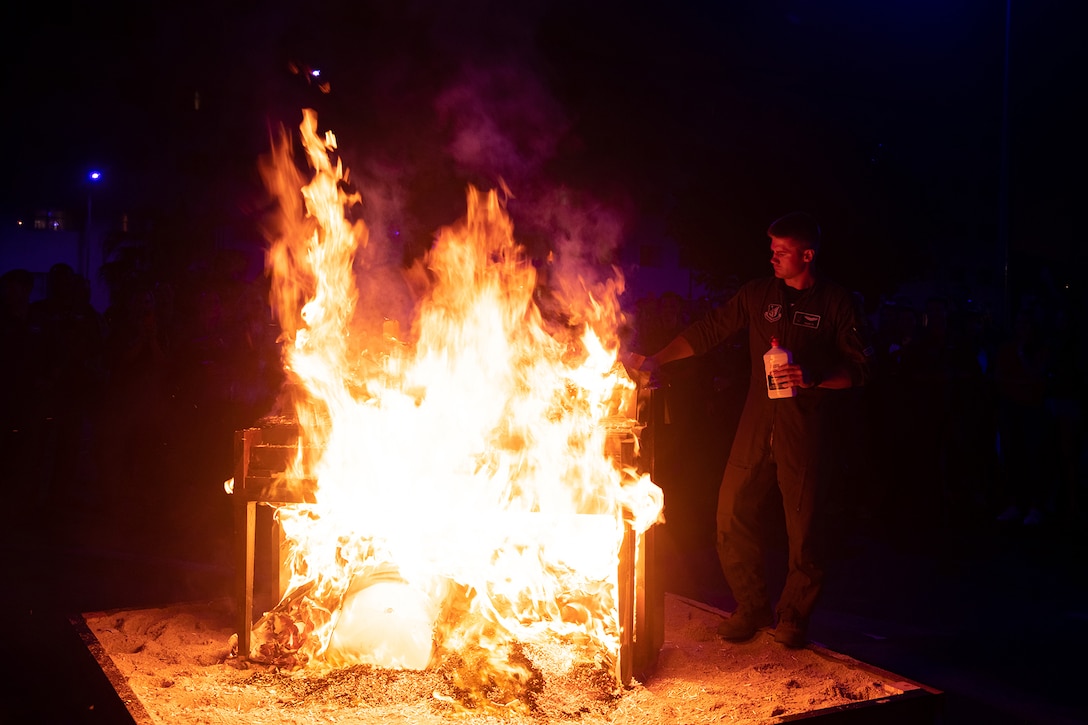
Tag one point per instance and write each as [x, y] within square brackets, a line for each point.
[806, 319]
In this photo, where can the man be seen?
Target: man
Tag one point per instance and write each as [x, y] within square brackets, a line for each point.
[783, 439]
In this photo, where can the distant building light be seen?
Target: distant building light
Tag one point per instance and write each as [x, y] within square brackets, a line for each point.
[48, 220]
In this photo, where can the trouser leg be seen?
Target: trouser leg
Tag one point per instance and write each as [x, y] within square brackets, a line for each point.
[802, 500]
[739, 542]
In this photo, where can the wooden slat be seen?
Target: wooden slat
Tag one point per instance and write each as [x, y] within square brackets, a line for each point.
[626, 605]
[275, 490]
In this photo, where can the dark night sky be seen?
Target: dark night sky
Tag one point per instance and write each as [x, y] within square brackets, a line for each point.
[708, 119]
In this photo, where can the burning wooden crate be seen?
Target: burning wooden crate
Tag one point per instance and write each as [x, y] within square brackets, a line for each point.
[387, 617]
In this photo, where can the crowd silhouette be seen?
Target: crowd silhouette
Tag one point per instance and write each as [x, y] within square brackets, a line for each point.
[134, 407]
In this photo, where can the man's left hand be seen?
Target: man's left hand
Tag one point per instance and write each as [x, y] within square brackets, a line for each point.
[793, 376]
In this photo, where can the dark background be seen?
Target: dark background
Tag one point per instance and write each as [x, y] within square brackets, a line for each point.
[701, 121]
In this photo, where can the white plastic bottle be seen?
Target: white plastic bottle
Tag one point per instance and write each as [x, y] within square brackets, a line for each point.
[775, 358]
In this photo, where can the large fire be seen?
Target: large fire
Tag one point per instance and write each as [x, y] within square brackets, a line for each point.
[464, 508]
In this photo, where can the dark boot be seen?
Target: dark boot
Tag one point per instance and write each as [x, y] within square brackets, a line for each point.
[792, 629]
[743, 623]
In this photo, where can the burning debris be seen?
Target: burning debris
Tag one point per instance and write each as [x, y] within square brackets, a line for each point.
[451, 504]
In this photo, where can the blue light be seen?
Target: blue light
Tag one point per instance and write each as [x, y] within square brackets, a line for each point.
[95, 175]
[315, 73]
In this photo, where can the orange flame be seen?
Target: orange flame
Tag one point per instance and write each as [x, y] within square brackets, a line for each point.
[465, 507]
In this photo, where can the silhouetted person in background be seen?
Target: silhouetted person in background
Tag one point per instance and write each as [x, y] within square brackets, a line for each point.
[779, 439]
[71, 337]
[1021, 371]
[22, 385]
[132, 423]
[943, 385]
[1065, 402]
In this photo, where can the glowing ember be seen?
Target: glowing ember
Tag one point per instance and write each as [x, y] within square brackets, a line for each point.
[466, 510]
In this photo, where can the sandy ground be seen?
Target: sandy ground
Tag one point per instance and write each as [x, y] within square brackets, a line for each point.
[172, 665]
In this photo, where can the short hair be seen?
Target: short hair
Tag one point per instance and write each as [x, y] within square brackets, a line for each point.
[798, 227]
[18, 278]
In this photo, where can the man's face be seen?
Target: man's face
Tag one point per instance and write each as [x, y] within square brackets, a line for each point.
[789, 258]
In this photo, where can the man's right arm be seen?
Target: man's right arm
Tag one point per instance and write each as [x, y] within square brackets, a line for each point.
[699, 337]
[678, 349]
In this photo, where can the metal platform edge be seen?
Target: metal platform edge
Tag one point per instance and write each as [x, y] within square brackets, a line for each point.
[117, 680]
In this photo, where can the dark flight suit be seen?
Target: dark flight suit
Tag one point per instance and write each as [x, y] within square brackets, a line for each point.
[821, 327]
